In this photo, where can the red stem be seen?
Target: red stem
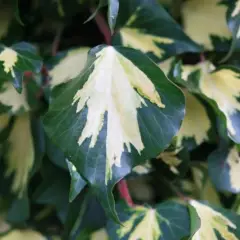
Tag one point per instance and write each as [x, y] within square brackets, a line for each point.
[103, 26]
[124, 192]
[56, 41]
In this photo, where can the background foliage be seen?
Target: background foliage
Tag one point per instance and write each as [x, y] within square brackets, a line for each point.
[120, 119]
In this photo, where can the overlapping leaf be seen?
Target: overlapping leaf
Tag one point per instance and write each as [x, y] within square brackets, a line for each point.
[216, 224]
[199, 23]
[146, 26]
[16, 60]
[19, 155]
[168, 220]
[196, 123]
[23, 235]
[67, 65]
[224, 168]
[222, 86]
[118, 113]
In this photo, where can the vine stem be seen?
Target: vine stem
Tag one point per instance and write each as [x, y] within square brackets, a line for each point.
[56, 41]
[103, 26]
[124, 192]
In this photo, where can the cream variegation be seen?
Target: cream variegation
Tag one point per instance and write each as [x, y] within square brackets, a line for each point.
[222, 86]
[118, 87]
[23, 235]
[20, 153]
[147, 228]
[145, 42]
[196, 123]
[202, 18]
[233, 161]
[100, 234]
[9, 58]
[212, 222]
[10, 97]
[69, 67]
[171, 159]
[236, 10]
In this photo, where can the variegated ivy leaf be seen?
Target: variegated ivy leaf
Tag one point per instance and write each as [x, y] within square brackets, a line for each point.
[168, 220]
[16, 60]
[23, 235]
[224, 169]
[160, 36]
[200, 24]
[221, 85]
[118, 113]
[19, 155]
[11, 100]
[215, 224]
[68, 66]
[196, 123]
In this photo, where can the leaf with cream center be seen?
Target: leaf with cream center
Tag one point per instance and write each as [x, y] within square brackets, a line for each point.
[168, 220]
[213, 221]
[118, 113]
[19, 156]
[10, 98]
[16, 60]
[221, 85]
[160, 36]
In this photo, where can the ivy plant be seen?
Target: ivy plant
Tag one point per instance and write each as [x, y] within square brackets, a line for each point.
[120, 120]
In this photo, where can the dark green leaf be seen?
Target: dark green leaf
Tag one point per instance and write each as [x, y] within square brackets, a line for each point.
[18, 59]
[145, 25]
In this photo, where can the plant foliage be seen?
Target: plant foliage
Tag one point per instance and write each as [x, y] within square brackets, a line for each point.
[120, 119]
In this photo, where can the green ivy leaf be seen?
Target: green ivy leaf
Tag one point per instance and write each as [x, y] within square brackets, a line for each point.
[224, 165]
[118, 113]
[216, 223]
[168, 220]
[160, 36]
[16, 60]
[216, 86]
